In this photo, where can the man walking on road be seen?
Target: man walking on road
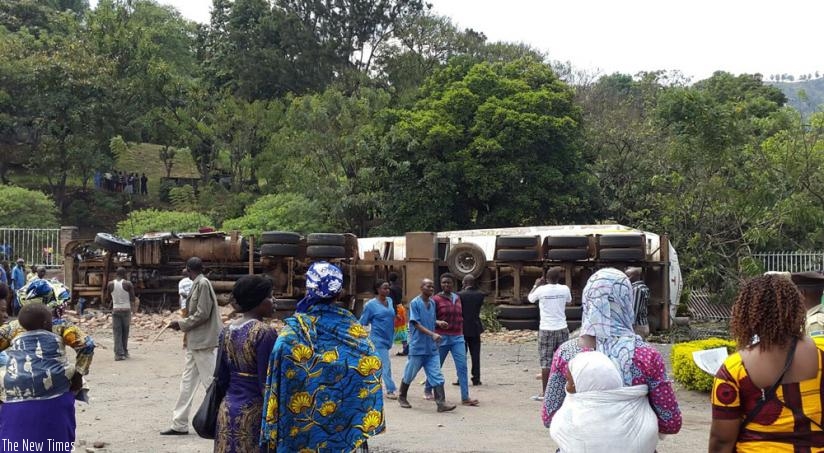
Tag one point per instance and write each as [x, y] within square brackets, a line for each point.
[423, 347]
[121, 292]
[202, 327]
[552, 298]
[472, 299]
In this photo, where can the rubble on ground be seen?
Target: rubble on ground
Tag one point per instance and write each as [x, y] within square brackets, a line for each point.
[509, 336]
[92, 320]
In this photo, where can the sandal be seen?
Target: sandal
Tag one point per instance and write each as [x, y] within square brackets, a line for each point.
[428, 396]
[470, 402]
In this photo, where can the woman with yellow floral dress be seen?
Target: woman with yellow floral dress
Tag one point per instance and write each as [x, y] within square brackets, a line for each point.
[246, 344]
[323, 389]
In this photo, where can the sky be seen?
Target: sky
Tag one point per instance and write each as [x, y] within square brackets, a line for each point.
[696, 37]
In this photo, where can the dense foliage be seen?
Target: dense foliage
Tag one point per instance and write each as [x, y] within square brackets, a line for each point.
[23, 208]
[379, 117]
[684, 369]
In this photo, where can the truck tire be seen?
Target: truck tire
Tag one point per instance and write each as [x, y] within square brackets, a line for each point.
[518, 255]
[326, 251]
[285, 304]
[326, 239]
[520, 324]
[466, 259]
[620, 240]
[573, 325]
[567, 254]
[279, 237]
[621, 254]
[516, 242]
[279, 250]
[574, 313]
[567, 242]
[113, 243]
[518, 311]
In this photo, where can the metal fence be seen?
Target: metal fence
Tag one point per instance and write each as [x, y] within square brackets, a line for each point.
[797, 261]
[38, 246]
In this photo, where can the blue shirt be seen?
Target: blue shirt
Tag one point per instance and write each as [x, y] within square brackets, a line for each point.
[18, 277]
[382, 320]
[420, 313]
[3, 277]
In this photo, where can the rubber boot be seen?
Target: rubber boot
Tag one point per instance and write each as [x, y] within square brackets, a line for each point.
[402, 395]
[440, 399]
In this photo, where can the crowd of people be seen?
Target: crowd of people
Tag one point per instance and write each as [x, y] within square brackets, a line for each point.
[121, 181]
[320, 383]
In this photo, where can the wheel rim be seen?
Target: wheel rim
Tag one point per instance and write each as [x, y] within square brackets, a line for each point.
[465, 262]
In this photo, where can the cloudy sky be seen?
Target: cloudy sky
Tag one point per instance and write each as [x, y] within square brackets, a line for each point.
[696, 37]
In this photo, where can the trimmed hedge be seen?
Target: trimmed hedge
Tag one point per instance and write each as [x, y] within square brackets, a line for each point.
[684, 368]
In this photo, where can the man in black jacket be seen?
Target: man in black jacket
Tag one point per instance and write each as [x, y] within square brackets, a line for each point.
[472, 299]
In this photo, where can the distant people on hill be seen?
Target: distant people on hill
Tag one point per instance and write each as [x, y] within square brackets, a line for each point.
[144, 188]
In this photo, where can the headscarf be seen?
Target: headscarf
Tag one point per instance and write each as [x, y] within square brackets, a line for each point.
[608, 315]
[592, 370]
[52, 293]
[324, 281]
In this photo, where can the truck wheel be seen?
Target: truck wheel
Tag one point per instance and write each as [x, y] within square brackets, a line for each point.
[279, 250]
[518, 311]
[326, 251]
[516, 242]
[567, 242]
[620, 240]
[517, 255]
[621, 254]
[279, 237]
[113, 243]
[574, 313]
[326, 239]
[520, 324]
[567, 254]
[285, 304]
[466, 259]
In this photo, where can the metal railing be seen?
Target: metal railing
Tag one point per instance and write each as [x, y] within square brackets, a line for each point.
[38, 246]
[787, 261]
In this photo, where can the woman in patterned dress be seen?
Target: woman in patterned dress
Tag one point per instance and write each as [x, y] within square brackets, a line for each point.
[246, 344]
[607, 327]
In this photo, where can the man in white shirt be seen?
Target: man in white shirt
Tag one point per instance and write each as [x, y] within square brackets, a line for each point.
[552, 299]
[184, 287]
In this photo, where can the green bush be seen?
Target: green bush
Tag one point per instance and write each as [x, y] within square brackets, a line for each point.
[684, 368]
[152, 220]
[24, 208]
[489, 318]
[283, 211]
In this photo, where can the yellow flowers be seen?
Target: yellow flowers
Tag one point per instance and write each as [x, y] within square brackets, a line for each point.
[363, 393]
[290, 374]
[368, 365]
[371, 420]
[272, 410]
[294, 431]
[299, 402]
[329, 356]
[301, 353]
[357, 330]
[328, 408]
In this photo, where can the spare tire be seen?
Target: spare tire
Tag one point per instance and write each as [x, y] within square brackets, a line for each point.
[518, 311]
[279, 237]
[466, 259]
[113, 243]
[573, 325]
[279, 250]
[567, 254]
[285, 304]
[567, 242]
[520, 324]
[326, 251]
[621, 254]
[518, 255]
[574, 312]
[326, 239]
[620, 240]
[516, 242]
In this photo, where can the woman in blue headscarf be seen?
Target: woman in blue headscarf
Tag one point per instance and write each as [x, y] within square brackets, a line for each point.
[323, 388]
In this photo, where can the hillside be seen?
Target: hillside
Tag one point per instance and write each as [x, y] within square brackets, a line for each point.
[806, 96]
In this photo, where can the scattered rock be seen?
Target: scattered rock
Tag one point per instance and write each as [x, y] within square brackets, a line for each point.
[99, 444]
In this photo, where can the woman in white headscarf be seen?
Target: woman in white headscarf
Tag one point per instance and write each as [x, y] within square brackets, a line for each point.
[607, 327]
[596, 396]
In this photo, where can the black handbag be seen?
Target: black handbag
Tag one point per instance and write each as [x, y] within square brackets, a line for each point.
[205, 420]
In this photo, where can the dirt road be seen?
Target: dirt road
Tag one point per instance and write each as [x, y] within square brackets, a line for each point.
[132, 401]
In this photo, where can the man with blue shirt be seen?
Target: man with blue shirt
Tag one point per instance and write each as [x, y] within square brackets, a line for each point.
[423, 349]
[380, 315]
[18, 280]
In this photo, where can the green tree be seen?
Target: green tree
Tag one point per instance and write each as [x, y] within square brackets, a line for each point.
[152, 220]
[280, 212]
[489, 144]
[23, 208]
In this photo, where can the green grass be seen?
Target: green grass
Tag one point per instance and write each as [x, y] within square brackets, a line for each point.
[145, 158]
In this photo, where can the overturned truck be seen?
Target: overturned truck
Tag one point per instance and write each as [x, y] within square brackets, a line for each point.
[504, 261]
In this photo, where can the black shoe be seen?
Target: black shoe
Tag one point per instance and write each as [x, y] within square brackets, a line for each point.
[476, 383]
[401, 353]
[456, 383]
[173, 432]
[119, 358]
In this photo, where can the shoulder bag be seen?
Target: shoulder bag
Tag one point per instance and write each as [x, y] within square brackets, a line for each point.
[205, 420]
